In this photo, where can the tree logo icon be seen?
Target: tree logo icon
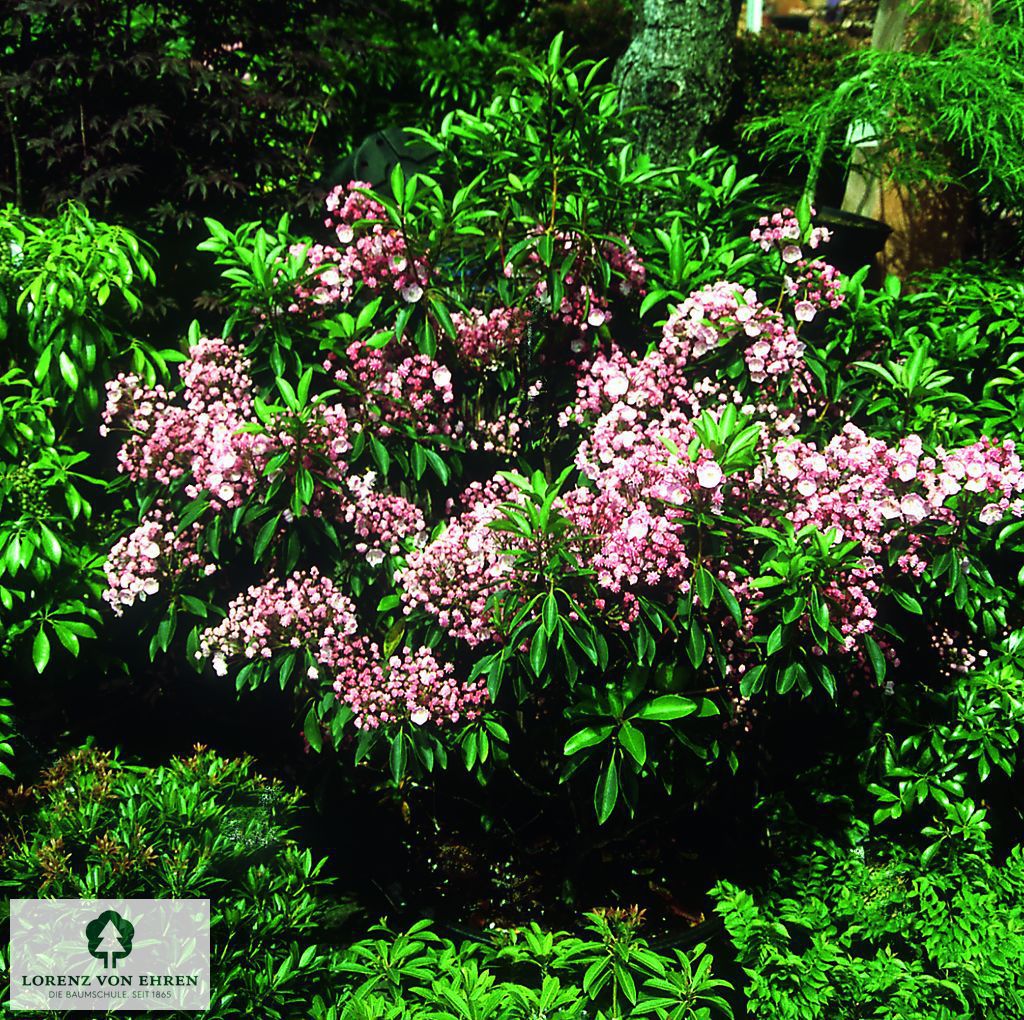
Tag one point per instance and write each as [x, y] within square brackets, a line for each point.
[110, 938]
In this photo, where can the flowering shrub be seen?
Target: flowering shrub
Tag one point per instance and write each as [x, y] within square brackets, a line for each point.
[506, 465]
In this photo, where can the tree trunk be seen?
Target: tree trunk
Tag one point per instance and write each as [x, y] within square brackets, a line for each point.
[678, 66]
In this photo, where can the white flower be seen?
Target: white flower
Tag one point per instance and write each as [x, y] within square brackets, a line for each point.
[374, 557]
[790, 254]
[220, 666]
[787, 465]
[636, 529]
[804, 311]
[442, 377]
[412, 293]
[709, 474]
[419, 717]
[913, 507]
[616, 387]
[150, 551]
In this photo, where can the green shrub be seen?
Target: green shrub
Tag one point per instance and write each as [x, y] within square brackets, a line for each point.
[68, 288]
[852, 932]
[609, 972]
[200, 827]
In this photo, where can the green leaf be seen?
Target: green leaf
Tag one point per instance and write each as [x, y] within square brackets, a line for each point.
[40, 650]
[666, 708]
[311, 728]
[704, 586]
[381, 455]
[192, 513]
[67, 637]
[730, 602]
[606, 792]
[304, 486]
[439, 467]
[589, 737]
[397, 757]
[51, 546]
[908, 602]
[443, 316]
[696, 644]
[787, 678]
[538, 651]
[264, 538]
[43, 364]
[550, 614]
[752, 681]
[68, 370]
[876, 657]
[634, 742]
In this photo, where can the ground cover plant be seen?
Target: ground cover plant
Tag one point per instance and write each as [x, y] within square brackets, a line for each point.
[551, 506]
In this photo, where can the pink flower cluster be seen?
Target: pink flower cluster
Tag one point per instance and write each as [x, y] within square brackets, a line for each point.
[373, 254]
[397, 386]
[813, 285]
[627, 265]
[582, 307]
[711, 317]
[304, 611]
[210, 436]
[454, 576]
[149, 558]
[381, 521]
[485, 340]
[209, 440]
[781, 231]
[663, 379]
[411, 685]
[308, 612]
[643, 498]
[882, 497]
[164, 437]
[985, 469]
[326, 285]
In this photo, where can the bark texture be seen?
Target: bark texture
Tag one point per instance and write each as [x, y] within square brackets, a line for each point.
[678, 65]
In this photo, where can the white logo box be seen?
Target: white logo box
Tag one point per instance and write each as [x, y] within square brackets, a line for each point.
[108, 954]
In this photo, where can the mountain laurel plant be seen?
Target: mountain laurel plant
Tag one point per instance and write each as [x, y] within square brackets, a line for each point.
[534, 456]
